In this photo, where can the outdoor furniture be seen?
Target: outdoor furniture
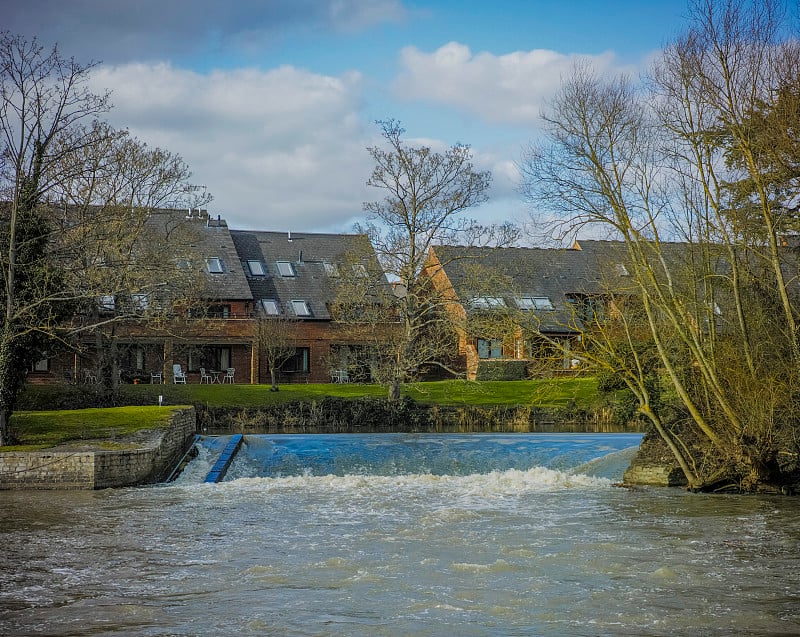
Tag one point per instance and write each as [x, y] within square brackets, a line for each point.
[89, 377]
[228, 377]
[340, 376]
[205, 377]
[156, 378]
[215, 375]
[178, 375]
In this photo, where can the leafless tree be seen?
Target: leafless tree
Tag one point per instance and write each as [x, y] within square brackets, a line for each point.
[682, 157]
[426, 196]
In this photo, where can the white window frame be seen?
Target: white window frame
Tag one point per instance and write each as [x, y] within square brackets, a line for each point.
[214, 265]
[286, 268]
[270, 307]
[305, 309]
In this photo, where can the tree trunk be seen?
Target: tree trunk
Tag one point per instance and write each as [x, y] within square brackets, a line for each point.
[10, 381]
[394, 390]
[274, 378]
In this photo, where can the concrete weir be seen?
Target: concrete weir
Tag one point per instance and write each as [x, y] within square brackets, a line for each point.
[220, 467]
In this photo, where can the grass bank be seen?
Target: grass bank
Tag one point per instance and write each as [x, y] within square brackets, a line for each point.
[36, 430]
[560, 392]
[48, 416]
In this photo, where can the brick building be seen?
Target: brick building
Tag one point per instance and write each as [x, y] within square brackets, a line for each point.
[243, 276]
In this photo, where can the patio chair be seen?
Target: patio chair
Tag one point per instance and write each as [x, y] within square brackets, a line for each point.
[228, 377]
[178, 375]
[156, 378]
[205, 377]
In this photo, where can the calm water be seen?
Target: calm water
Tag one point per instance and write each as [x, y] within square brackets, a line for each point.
[401, 535]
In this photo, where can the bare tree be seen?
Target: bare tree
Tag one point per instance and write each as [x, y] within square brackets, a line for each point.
[426, 194]
[669, 162]
[77, 229]
[276, 338]
[42, 97]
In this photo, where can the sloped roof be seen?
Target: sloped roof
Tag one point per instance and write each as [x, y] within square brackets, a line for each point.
[208, 238]
[533, 272]
[308, 253]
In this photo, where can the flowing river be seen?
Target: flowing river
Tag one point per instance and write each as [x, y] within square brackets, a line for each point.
[401, 535]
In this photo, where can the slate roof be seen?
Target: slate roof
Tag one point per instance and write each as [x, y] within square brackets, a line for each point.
[308, 253]
[534, 272]
[209, 238]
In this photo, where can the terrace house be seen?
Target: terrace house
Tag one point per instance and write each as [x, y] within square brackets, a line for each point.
[237, 278]
[515, 304]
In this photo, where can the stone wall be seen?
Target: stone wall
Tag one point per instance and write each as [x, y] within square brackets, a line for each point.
[151, 462]
[654, 465]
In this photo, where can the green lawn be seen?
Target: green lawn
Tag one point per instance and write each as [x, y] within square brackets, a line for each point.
[545, 393]
[43, 429]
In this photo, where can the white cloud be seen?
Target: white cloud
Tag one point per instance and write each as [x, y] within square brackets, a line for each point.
[283, 148]
[500, 89]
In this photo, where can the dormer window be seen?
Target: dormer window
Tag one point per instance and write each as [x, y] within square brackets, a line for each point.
[301, 308]
[542, 303]
[360, 270]
[256, 268]
[285, 268]
[270, 307]
[214, 265]
[487, 302]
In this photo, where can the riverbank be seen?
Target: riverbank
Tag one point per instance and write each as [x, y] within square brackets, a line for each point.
[143, 457]
[92, 453]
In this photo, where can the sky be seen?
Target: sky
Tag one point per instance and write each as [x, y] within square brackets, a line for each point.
[273, 103]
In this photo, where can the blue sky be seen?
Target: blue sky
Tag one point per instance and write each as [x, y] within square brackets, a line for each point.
[272, 102]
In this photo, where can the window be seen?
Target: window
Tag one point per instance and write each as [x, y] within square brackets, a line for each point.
[256, 268]
[219, 311]
[217, 358]
[621, 270]
[525, 303]
[270, 307]
[534, 303]
[42, 365]
[490, 348]
[332, 269]
[588, 309]
[214, 265]
[487, 302]
[285, 268]
[360, 270]
[107, 303]
[297, 363]
[301, 308]
[141, 302]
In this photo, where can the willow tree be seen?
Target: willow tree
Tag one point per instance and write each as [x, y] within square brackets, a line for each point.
[427, 194]
[668, 160]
